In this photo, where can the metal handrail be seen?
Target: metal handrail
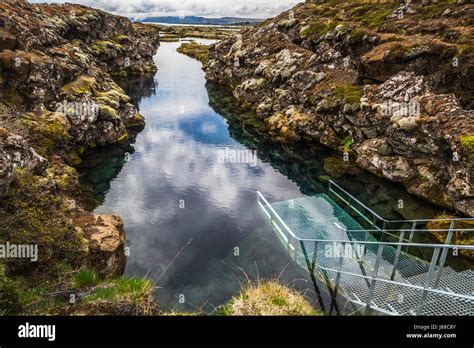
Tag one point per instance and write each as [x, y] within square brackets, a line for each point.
[434, 273]
[290, 232]
[409, 230]
[259, 194]
[408, 285]
[332, 183]
[447, 246]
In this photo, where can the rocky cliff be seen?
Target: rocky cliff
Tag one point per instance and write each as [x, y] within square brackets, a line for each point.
[57, 99]
[386, 84]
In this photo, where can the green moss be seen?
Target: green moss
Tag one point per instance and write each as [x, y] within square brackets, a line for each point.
[319, 27]
[60, 269]
[73, 159]
[46, 130]
[462, 49]
[357, 35]
[90, 16]
[467, 142]
[113, 98]
[29, 296]
[101, 46]
[39, 215]
[349, 93]
[374, 20]
[122, 138]
[137, 121]
[122, 39]
[108, 113]
[82, 85]
[435, 10]
[64, 176]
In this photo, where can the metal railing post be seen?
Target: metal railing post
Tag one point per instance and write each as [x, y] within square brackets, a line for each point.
[339, 269]
[397, 255]
[384, 226]
[429, 277]
[315, 254]
[444, 254]
[374, 276]
[412, 232]
[365, 247]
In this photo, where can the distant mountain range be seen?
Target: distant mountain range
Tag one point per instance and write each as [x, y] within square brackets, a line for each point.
[200, 20]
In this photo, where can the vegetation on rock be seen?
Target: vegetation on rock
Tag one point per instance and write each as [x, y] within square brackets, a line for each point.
[58, 98]
[195, 50]
[385, 80]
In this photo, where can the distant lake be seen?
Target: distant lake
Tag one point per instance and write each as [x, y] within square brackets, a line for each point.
[223, 27]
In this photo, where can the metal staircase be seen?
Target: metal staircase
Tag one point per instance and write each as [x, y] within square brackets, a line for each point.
[366, 258]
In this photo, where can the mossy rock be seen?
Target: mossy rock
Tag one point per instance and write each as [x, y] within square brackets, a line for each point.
[102, 46]
[195, 50]
[357, 35]
[47, 130]
[318, 28]
[113, 98]
[351, 94]
[39, 215]
[467, 142]
[79, 87]
[107, 113]
[122, 39]
[460, 237]
[65, 177]
[137, 120]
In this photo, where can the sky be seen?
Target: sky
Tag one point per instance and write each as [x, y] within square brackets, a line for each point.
[205, 8]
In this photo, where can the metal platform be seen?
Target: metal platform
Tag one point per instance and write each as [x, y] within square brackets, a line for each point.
[364, 256]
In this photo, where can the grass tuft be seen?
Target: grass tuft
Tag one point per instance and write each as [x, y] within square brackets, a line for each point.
[268, 298]
[86, 277]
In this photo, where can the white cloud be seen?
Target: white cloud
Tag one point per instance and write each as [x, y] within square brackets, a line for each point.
[205, 8]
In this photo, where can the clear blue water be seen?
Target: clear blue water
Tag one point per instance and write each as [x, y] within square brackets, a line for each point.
[205, 249]
[192, 222]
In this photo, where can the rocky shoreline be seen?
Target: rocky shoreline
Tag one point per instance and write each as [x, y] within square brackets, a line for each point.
[388, 86]
[58, 98]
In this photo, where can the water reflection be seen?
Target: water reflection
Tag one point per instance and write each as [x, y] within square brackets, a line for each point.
[193, 224]
[139, 88]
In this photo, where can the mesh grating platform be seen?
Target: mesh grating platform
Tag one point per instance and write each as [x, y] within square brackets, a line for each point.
[320, 217]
